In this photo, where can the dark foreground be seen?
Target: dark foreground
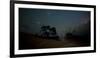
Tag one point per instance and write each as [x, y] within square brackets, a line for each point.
[30, 41]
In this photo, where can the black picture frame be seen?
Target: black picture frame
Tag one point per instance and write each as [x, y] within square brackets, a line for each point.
[12, 29]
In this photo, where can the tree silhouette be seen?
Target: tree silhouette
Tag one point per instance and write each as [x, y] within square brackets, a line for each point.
[45, 31]
[53, 31]
[49, 32]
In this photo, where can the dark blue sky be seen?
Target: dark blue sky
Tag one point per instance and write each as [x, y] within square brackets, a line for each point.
[64, 20]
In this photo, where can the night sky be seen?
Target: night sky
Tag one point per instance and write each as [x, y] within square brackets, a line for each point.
[64, 20]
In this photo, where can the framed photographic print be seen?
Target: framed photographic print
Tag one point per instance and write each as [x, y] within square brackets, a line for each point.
[42, 28]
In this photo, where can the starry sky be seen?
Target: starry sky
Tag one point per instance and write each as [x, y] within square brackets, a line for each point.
[30, 20]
